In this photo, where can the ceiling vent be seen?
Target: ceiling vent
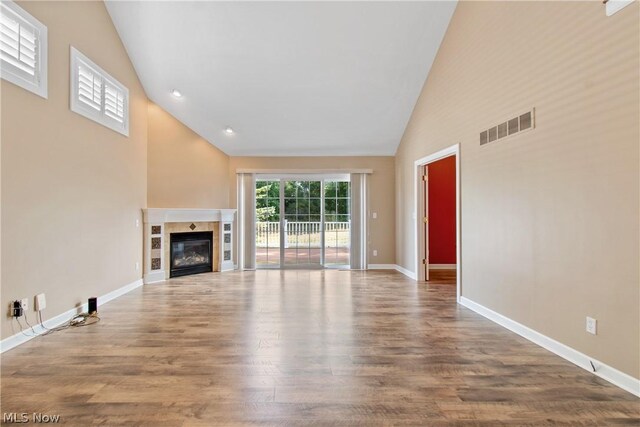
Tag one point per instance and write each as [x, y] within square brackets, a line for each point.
[521, 123]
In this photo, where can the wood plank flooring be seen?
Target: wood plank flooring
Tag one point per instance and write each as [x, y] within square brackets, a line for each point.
[298, 348]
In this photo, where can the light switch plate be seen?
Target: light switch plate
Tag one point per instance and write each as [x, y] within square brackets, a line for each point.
[592, 325]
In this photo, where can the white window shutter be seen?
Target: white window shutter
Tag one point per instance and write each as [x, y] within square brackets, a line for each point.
[98, 96]
[89, 87]
[23, 49]
[113, 102]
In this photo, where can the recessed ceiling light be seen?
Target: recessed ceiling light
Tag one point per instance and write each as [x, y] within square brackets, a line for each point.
[176, 93]
[228, 130]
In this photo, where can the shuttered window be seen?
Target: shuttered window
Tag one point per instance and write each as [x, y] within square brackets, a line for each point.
[23, 49]
[113, 102]
[97, 95]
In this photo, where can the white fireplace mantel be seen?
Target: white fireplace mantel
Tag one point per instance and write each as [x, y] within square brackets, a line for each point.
[156, 268]
[160, 215]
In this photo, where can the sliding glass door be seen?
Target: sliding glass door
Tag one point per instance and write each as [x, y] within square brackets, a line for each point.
[313, 230]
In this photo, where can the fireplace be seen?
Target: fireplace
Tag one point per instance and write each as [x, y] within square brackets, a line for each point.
[162, 226]
[190, 253]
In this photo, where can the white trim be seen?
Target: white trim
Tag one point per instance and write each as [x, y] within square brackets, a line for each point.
[161, 215]
[20, 338]
[443, 266]
[604, 371]
[228, 264]
[12, 74]
[382, 267]
[410, 274]
[453, 150]
[613, 6]
[302, 171]
[117, 293]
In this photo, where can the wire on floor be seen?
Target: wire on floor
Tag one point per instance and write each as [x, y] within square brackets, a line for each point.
[79, 320]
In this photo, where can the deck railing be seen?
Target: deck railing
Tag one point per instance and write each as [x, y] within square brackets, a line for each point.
[302, 234]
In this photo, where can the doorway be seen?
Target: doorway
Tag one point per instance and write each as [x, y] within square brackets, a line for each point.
[302, 222]
[437, 214]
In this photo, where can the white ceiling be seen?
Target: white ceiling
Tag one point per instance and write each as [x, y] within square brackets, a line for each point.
[291, 78]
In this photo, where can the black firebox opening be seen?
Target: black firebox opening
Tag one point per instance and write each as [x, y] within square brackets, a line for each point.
[191, 253]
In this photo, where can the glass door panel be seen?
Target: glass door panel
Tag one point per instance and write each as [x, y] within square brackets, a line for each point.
[337, 223]
[268, 224]
[302, 235]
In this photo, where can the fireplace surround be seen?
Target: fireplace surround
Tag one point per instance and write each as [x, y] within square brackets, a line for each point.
[159, 226]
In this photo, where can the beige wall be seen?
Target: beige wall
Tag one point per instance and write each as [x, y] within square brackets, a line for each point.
[184, 170]
[549, 217]
[72, 189]
[381, 191]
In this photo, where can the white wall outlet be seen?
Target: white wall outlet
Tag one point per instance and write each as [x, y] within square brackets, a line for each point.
[25, 304]
[374, 215]
[592, 325]
[137, 223]
[137, 266]
[41, 302]
[375, 252]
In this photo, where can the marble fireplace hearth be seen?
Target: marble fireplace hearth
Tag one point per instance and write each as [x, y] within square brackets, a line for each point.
[160, 224]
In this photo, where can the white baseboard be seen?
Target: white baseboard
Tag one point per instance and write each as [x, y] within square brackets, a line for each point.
[604, 371]
[409, 274]
[381, 266]
[442, 266]
[21, 338]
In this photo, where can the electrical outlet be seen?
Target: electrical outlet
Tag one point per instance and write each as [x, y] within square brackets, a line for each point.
[17, 309]
[137, 223]
[137, 266]
[24, 304]
[374, 215]
[375, 252]
[592, 325]
[41, 302]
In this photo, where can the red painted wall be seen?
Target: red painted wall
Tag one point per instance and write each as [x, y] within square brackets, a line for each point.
[442, 211]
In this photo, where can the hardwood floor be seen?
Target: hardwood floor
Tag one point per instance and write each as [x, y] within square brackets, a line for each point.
[301, 347]
[442, 277]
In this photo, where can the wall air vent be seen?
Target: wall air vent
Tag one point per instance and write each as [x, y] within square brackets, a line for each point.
[521, 123]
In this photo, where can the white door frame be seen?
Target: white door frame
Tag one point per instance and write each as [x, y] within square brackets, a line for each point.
[453, 150]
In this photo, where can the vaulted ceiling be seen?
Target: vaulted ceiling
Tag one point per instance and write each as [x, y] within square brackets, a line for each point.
[290, 78]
